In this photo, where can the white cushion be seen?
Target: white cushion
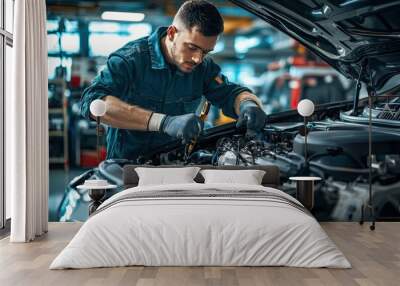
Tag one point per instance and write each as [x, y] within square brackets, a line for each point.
[248, 177]
[165, 176]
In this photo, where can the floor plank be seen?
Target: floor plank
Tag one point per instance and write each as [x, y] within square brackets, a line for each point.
[374, 255]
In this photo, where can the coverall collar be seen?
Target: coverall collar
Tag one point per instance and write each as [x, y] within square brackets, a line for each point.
[157, 57]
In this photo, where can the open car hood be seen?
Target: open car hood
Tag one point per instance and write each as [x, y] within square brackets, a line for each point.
[347, 34]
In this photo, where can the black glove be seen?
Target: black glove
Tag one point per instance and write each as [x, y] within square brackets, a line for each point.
[185, 127]
[251, 116]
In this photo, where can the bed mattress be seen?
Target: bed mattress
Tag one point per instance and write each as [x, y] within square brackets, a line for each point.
[201, 225]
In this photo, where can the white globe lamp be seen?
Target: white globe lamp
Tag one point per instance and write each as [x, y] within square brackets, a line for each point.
[98, 107]
[305, 108]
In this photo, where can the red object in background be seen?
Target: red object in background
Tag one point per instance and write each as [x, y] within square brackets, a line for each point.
[299, 61]
[89, 157]
[295, 94]
[75, 81]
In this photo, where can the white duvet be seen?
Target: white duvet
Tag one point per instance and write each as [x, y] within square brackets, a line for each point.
[206, 230]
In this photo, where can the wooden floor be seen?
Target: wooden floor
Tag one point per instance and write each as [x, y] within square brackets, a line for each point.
[375, 257]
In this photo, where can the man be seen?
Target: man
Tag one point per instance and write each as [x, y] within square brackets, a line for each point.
[152, 86]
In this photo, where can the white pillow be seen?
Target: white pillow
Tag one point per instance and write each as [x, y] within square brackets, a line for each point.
[164, 176]
[248, 177]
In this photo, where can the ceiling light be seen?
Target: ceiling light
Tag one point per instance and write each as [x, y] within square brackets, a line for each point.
[122, 16]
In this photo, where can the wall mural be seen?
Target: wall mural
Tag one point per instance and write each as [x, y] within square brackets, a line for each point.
[252, 96]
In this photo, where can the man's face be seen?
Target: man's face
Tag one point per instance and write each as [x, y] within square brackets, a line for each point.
[189, 47]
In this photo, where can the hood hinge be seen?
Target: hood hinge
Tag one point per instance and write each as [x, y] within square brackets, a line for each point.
[358, 89]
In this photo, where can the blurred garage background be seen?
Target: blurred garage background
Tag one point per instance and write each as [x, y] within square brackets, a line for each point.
[81, 34]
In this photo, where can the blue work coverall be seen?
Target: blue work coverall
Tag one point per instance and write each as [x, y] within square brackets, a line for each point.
[138, 74]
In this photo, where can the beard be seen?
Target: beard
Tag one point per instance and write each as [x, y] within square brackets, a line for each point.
[173, 54]
[179, 64]
[172, 51]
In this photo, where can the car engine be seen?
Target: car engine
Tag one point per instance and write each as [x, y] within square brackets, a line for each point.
[337, 151]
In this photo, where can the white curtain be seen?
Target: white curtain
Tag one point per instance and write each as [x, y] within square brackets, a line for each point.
[27, 124]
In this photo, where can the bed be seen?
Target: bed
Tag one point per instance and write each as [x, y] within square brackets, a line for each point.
[201, 224]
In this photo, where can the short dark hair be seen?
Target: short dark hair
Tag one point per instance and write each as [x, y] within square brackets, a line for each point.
[203, 15]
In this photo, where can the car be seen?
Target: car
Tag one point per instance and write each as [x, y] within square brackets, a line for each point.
[287, 82]
[359, 39]
[290, 80]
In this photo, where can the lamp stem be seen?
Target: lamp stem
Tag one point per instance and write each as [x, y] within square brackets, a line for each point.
[98, 138]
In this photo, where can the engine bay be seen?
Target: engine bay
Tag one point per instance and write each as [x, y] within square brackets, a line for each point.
[337, 150]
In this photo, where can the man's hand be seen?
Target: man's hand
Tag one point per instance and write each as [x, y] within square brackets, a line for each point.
[251, 116]
[185, 127]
